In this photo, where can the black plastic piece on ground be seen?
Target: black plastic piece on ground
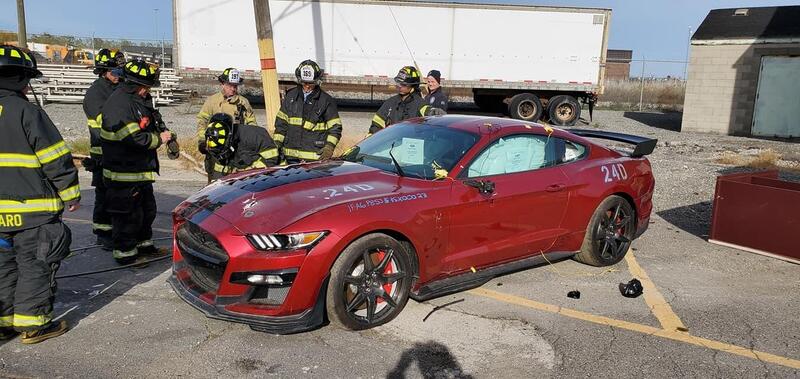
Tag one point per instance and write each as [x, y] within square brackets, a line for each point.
[574, 294]
[632, 289]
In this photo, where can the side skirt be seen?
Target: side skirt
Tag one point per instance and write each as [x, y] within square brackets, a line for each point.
[469, 280]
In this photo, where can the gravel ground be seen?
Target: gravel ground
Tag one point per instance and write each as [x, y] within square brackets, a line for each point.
[684, 163]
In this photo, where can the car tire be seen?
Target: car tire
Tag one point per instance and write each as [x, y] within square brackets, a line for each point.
[563, 110]
[525, 106]
[605, 243]
[363, 296]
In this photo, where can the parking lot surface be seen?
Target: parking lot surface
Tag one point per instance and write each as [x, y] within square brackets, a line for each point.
[707, 310]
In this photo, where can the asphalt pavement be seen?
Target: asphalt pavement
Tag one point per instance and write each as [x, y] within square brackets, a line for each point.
[707, 311]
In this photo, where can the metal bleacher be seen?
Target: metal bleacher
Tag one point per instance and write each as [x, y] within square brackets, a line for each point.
[68, 84]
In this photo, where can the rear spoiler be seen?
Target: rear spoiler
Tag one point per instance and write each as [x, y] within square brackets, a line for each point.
[644, 146]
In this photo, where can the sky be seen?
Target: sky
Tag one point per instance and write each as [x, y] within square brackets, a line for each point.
[653, 29]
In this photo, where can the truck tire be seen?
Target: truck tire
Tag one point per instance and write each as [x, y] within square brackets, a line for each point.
[525, 106]
[563, 110]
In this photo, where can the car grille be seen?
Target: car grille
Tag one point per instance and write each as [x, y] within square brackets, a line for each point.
[204, 256]
[269, 295]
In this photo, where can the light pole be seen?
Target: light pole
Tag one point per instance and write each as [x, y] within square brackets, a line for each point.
[155, 22]
[686, 65]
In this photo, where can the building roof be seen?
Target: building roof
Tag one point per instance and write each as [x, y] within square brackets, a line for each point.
[750, 23]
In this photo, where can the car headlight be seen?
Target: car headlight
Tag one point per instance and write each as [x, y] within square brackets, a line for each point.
[294, 241]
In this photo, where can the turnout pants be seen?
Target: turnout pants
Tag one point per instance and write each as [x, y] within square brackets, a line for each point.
[29, 260]
[132, 210]
[101, 220]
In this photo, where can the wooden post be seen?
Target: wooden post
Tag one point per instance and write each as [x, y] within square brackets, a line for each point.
[266, 51]
[22, 34]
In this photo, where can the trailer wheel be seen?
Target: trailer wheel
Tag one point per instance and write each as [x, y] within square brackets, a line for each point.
[563, 110]
[525, 106]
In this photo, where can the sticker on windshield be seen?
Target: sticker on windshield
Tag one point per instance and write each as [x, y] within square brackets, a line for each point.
[517, 160]
[413, 151]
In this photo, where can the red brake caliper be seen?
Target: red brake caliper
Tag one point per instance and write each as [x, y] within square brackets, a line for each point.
[388, 270]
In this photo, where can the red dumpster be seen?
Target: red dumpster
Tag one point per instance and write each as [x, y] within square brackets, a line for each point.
[759, 213]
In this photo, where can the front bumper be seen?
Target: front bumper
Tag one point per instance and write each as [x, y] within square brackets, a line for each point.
[210, 263]
[304, 321]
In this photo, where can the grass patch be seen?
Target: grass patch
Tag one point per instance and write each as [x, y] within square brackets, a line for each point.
[658, 94]
[764, 159]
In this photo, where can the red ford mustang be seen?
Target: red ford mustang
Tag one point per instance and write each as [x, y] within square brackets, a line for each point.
[424, 208]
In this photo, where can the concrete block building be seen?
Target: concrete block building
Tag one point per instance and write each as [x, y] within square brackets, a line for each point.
[744, 73]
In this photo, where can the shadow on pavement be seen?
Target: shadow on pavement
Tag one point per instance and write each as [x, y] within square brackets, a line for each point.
[694, 219]
[662, 120]
[433, 359]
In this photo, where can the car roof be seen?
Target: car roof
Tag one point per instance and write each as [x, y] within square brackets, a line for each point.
[484, 125]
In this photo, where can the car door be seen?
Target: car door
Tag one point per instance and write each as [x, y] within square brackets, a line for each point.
[508, 203]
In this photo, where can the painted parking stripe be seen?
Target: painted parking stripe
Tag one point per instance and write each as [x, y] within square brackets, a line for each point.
[655, 301]
[645, 329]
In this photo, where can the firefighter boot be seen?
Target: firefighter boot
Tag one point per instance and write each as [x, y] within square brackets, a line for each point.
[51, 330]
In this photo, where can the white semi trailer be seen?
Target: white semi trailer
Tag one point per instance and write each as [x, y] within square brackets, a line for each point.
[529, 61]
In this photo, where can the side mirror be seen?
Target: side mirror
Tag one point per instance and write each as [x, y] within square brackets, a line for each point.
[484, 187]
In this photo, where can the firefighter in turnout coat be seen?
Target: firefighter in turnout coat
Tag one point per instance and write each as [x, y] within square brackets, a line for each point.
[130, 163]
[307, 127]
[39, 181]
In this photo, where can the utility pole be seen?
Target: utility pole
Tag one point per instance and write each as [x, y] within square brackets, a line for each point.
[266, 52]
[22, 34]
[686, 65]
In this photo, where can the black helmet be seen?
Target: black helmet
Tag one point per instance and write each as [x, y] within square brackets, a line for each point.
[408, 76]
[230, 76]
[140, 72]
[107, 60]
[219, 136]
[13, 59]
[308, 72]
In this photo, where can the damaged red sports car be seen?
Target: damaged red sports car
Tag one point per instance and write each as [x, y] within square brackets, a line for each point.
[423, 208]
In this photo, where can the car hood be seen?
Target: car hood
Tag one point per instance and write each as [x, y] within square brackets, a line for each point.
[265, 201]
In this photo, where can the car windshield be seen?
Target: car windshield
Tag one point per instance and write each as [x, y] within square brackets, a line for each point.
[421, 150]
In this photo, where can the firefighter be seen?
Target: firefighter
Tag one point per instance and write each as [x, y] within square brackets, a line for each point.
[307, 127]
[39, 181]
[408, 102]
[108, 66]
[130, 137]
[436, 97]
[226, 101]
[237, 147]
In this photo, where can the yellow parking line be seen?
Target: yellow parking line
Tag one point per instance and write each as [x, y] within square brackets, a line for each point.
[658, 305]
[645, 329]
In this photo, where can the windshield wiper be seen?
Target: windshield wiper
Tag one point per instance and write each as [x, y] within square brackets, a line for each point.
[396, 165]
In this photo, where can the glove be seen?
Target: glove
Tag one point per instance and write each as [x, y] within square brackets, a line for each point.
[201, 147]
[436, 112]
[327, 152]
[89, 164]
